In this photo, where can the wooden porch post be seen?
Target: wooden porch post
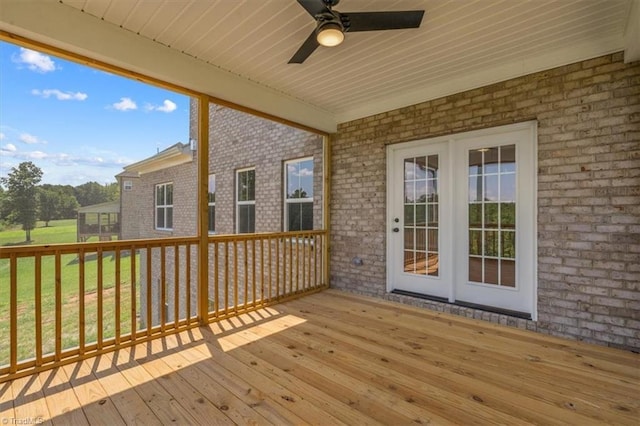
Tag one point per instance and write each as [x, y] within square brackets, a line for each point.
[326, 206]
[203, 226]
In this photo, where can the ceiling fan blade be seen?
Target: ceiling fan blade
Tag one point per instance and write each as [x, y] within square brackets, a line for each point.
[307, 48]
[314, 7]
[376, 21]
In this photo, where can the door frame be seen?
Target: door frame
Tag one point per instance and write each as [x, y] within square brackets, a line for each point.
[392, 182]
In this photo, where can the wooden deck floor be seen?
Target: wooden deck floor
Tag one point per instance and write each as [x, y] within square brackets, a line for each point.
[335, 358]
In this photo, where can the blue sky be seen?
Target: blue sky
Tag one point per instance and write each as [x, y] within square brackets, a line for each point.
[80, 124]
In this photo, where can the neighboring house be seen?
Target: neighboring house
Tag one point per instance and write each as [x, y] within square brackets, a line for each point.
[263, 177]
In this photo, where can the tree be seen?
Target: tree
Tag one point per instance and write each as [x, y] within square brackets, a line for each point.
[91, 193]
[56, 202]
[23, 195]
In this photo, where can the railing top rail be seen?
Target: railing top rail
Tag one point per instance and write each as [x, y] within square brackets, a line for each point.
[74, 248]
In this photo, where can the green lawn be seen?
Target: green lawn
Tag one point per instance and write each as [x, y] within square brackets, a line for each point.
[60, 232]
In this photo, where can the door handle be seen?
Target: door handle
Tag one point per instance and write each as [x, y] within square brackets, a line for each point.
[396, 229]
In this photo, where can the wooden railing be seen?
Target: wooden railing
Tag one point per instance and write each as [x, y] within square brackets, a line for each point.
[66, 302]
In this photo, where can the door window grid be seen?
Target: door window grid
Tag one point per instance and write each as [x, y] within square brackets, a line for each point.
[492, 206]
[421, 215]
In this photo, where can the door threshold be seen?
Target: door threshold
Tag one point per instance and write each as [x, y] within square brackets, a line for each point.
[485, 308]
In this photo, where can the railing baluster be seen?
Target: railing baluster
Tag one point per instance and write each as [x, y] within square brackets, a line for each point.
[226, 277]
[246, 274]
[100, 298]
[308, 259]
[298, 241]
[216, 279]
[187, 279]
[269, 243]
[163, 287]
[176, 285]
[58, 304]
[278, 240]
[118, 298]
[38, 312]
[253, 271]
[81, 308]
[262, 270]
[290, 281]
[13, 313]
[149, 300]
[235, 275]
[134, 307]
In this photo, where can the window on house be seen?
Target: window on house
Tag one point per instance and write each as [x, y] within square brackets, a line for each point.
[246, 201]
[128, 185]
[211, 199]
[164, 206]
[298, 206]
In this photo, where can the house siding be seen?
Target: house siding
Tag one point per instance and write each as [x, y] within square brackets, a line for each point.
[588, 116]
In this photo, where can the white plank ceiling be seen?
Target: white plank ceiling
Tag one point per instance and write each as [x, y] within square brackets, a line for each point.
[461, 44]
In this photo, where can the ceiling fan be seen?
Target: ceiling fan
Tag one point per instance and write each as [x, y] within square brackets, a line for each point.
[331, 24]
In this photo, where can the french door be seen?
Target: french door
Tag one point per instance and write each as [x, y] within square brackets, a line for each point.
[461, 217]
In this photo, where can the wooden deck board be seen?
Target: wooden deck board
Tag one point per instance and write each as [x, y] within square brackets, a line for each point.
[337, 358]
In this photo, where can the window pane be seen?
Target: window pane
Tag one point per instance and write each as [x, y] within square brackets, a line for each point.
[300, 179]
[212, 189]
[251, 184]
[160, 195]
[409, 195]
[408, 215]
[300, 216]
[475, 188]
[508, 215]
[421, 263]
[160, 218]
[421, 168]
[212, 218]
[491, 215]
[508, 158]
[421, 191]
[433, 240]
[169, 197]
[508, 244]
[475, 215]
[508, 187]
[409, 264]
[491, 192]
[490, 271]
[433, 264]
[475, 269]
[491, 243]
[508, 273]
[408, 238]
[307, 217]
[475, 162]
[421, 239]
[432, 164]
[491, 160]
[421, 215]
[246, 218]
[409, 172]
[475, 243]
[169, 214]
[432, 215]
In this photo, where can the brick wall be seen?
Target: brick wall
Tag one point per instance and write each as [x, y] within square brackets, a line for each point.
[588, 117]
[237, 140]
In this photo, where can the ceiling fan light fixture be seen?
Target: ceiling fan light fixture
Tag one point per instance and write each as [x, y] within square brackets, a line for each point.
[329, 34]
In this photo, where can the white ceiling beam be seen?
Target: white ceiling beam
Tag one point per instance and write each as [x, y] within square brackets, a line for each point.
[67, 28]
[632, 34]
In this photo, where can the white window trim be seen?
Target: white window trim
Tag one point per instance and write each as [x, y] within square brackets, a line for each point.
[164, 206]
[285, 191]
[127, 185]
[243, 203]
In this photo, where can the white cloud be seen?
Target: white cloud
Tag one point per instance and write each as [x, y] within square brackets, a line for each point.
[2, 136]
[35, 61]
[125, 104]
[305, 172]
[60, 95]
[30, 139]
[167, 106]
[10, 147]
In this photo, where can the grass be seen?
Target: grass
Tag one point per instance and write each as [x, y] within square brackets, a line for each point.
[60, 232]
